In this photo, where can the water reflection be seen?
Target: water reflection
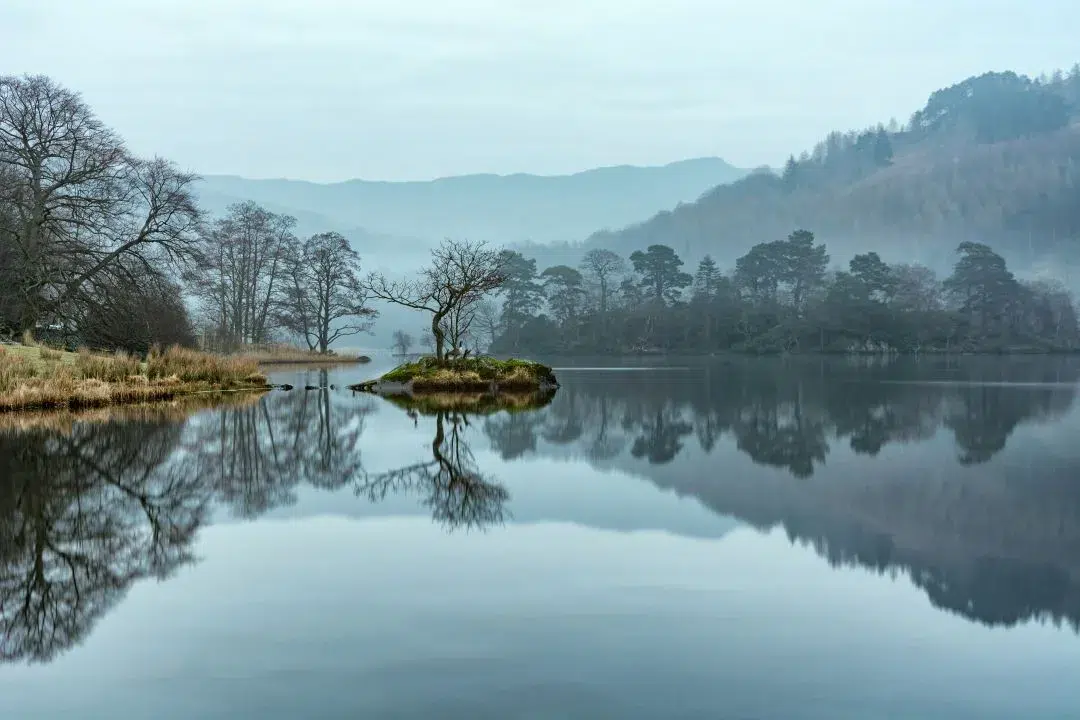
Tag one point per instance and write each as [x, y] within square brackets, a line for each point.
[451, 483]
[87, 510]
[790, 415]
[255, 457]
[995, 542]
[83, 515]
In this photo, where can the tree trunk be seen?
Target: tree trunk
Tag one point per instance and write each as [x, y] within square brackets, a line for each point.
[437, 332]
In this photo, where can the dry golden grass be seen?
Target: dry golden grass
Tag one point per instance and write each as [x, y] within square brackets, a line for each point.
[189, 366]
[108, 368]
[30, 379]
[472, 375]
[291, 355]
[447, 379]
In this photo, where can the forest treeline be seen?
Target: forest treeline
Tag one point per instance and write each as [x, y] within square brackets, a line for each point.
[100, 247]
[780, 296]
[995, 159]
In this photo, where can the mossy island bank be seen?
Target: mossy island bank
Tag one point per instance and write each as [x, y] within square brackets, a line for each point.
[483, 375]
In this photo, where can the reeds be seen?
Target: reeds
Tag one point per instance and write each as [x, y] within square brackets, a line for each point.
[292, 355]
[188, 366]
[115, 368]
[95, 380]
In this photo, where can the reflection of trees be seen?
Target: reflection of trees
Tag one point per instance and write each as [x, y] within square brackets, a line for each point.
[451, 483]
[515, 434]
[258, 455]
[983, 417]
[996, 545]
[84, 515]
[784, 414]
[87, 510]
[661, 436]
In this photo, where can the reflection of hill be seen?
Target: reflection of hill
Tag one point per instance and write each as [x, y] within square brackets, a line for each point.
[987, 536]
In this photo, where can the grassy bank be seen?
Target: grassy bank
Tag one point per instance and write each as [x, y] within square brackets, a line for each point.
[34, 377]
[290, 355]
[479, 374]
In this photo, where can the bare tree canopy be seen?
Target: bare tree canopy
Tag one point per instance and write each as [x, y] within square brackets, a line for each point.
[460, 273]
[76, 207]
[403, 342]
[602, 266]
[243, 272]
[323, 299]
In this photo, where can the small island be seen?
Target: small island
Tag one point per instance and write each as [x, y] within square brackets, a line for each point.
[451, 290]
[476, 374]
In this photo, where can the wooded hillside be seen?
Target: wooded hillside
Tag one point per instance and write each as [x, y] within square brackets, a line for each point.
[995, 158]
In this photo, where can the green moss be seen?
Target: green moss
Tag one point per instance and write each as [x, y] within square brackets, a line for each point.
[475, 373]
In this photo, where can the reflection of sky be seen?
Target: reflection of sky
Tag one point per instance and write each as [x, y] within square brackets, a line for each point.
[330, 617]
[620, 590]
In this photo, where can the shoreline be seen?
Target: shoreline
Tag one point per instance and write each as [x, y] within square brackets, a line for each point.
[309, 360]
[821, 353]
[116, 395]
[39, 378]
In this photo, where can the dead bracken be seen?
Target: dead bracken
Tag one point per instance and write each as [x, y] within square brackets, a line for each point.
[33, 377]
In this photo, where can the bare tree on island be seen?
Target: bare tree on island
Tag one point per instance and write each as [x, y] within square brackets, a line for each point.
[460, 273]
[324, 299]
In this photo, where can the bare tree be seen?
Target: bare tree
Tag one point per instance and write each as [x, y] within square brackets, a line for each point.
[457, 325]
[602, 266]
[487, 320]
[460, 273]
[77, 207]
[244, 272]
[324, 300]
[136, 315]
[403, 342]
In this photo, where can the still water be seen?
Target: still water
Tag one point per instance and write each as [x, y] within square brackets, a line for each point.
[729, 539]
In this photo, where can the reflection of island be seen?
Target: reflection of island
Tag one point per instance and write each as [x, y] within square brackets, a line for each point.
[993, 539]
[451, 484]
[88, 508]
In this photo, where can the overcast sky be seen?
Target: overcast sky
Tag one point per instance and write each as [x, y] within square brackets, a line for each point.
[414, 89]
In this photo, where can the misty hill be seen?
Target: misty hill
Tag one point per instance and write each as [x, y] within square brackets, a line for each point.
[995, 158]
[502, 209]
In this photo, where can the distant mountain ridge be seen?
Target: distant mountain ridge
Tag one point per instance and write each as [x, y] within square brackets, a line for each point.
[502, 209]
[994, 158]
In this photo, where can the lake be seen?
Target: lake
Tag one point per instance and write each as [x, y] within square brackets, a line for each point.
[731, 538]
